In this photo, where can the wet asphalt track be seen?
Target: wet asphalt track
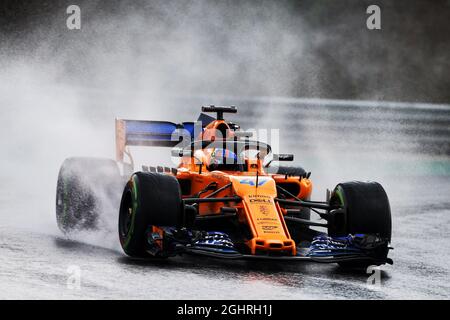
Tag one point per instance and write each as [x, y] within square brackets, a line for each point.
[35, 256]
[34, 265]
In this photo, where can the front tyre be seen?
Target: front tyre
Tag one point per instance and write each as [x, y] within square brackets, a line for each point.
[365, 210]
[149, 199]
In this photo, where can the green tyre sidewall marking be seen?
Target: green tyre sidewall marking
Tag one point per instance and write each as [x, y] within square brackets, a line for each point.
[338, 192]
[134, 199]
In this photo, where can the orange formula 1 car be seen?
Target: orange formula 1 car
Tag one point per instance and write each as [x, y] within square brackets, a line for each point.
[225, 199]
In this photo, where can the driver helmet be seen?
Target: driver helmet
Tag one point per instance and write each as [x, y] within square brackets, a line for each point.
[219, 156]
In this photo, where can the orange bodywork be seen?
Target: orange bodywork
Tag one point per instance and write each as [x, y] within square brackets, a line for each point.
[257, 189]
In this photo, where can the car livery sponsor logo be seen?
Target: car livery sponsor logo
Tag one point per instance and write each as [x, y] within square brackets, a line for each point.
[269, 228]
[264, 210]
[254, 198]
[266, 220]
[252, 182]
[259, 199]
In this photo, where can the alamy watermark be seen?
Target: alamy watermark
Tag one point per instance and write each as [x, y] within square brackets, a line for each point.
[74, 277]
[374, 280]
[73, 21]
[373, 22]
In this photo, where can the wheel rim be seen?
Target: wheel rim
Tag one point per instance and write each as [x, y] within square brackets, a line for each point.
[339, 225]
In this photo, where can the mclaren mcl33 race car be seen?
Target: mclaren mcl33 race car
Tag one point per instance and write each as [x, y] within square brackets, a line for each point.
[225, 199]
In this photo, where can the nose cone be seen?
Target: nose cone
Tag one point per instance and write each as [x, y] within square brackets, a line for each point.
[266, 223]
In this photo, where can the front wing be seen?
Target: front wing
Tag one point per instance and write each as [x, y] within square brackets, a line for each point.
[297, 258]
[367, 249]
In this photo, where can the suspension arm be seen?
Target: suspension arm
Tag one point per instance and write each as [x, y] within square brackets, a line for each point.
[305, 204]
[206, 200]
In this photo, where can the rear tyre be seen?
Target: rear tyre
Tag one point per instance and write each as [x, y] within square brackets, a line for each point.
[366, 210]
[149, 199]
[86, 188]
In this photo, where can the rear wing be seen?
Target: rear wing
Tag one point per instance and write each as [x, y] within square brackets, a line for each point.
[147, 133]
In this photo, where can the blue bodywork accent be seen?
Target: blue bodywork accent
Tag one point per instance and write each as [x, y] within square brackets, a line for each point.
[324, 245]
[216, 242]
[157, 133]
[174, 239]
[205, 119]
[189, 126]
[252, 183]
[154, 130]
[371, 245]
[149, 127]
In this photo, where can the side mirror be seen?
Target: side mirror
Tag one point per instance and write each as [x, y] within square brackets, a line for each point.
[283, 157]
[212, 186]
[177, 152]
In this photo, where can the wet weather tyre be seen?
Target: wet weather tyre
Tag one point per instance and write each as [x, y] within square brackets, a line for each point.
[149, 199]
[86, 188]
[366, 210]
